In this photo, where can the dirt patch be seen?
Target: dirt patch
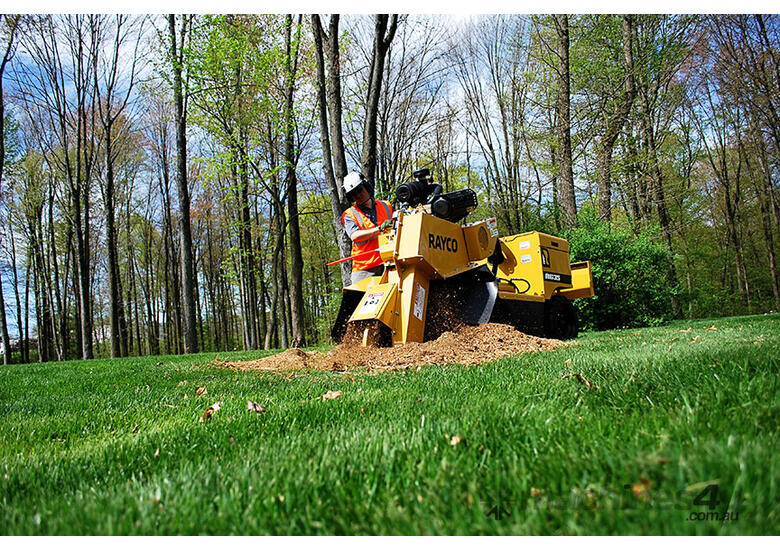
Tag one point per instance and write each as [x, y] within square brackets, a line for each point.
[469, 345]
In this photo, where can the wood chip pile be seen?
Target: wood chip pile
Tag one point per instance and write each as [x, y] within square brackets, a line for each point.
[469, 345]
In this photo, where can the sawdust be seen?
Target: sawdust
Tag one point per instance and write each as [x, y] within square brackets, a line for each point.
[467, 345]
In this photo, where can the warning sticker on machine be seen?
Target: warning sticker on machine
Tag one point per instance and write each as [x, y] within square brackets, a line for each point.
[371, 302]
[524, 245]
[526, 258]
[419, 301]
[493, 226]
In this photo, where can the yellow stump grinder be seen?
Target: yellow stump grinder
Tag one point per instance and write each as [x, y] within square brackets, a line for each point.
[439, 273]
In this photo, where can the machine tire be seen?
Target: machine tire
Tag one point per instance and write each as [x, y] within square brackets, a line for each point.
[560, 319]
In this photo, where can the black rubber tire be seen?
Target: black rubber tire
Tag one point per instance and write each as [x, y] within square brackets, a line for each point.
[560, 319]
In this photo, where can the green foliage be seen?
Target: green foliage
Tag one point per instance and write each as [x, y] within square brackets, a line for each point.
[629, 273]
[113, 446]
[11, 138]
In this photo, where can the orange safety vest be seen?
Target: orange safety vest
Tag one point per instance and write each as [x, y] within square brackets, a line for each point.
[367, 261]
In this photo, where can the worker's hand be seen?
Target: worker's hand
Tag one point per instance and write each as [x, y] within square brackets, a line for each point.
[384, 225]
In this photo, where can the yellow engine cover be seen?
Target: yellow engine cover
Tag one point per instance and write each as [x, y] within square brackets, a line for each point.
[537, 267]
[441, 248]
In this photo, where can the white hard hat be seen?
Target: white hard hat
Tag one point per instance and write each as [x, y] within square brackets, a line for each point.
[352, 181]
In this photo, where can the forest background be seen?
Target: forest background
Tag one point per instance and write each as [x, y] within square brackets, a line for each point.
[171, 184]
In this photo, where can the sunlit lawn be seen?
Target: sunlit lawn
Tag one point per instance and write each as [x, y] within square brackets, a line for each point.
[677, 429]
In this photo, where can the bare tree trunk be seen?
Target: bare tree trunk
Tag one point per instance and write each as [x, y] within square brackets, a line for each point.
[633, 177]
[383, 37]
[81, 191]
[187, 271]
[275, 273]
[26, 340]
[111, 105]
[563, 129]
[19, 319]
[7, 55]
[6, 341]
[284, 296]
[117, 314]
[76, 283]
[615, 123]
[766, 222]
[247, 262]
[261, 280]
[660, 199]
[151, 321]
[40, 278]
[732, 207]
[331, 138]
[297, 319]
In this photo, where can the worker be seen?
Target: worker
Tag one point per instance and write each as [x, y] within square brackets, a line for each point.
[363, 222]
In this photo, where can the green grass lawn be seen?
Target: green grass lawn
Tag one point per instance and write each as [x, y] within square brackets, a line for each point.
[679, 429]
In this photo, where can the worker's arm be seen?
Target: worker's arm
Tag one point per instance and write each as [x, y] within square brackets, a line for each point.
[362, 235]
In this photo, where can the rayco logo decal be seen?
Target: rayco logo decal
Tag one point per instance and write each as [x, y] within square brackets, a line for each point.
[442, 243]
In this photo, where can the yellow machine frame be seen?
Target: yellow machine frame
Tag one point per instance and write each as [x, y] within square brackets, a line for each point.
[535, 267]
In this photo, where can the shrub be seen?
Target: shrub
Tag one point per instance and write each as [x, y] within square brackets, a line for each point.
[629, 273]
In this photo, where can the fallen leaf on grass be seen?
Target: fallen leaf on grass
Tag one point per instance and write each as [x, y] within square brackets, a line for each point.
[536, 492]
[156, 452]
[208, 413]
[455, 440]
[696, 339]
[641, 489]
[200, 391]
[581, 379]
[330, 395]
[254, 407]
[687, 331]
[713, 327]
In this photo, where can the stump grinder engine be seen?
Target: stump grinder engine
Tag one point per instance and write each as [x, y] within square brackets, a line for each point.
[439, 273]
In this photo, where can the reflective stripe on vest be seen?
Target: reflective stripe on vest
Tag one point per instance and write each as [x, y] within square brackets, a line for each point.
[369, 260]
